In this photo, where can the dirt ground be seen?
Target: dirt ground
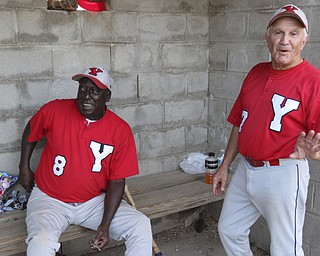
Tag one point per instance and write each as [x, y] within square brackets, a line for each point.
[199, 239]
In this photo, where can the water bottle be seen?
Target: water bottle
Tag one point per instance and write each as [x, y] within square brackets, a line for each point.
[211, 165]
[220, 156]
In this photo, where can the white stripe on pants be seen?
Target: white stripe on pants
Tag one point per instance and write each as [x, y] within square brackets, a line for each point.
[47, 218]
[278, 193]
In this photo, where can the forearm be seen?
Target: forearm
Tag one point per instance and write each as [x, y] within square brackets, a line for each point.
[26, 148]
[232, 148]
[113, 198]
[25, 172]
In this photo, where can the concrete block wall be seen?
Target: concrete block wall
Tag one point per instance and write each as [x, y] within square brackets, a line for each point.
[157, 54]
[177, 64]
[236, 44]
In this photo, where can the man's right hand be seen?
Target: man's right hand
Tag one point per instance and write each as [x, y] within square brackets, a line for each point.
[219, 181]
[26, 179]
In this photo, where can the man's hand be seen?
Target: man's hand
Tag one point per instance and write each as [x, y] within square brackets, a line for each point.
[307, 146]
[101, 240]
[26, 179]
[219, 181]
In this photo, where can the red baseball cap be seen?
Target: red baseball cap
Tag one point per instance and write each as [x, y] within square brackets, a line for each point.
[93, 5]
[290, 10]
[98, 75]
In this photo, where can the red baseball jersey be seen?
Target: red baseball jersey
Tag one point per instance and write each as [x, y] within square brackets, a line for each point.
[79, 158]
[273, 107]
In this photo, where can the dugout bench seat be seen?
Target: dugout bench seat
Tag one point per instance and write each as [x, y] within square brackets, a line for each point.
[156, 195]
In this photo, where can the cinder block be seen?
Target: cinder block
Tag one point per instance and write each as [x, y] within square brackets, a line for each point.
[193, 57]
[188, 6]
[161, 143]
[129, 58]
[149, 57]
[309, 52]
[218, 56]
[9, 162]
[251, 5]
[142, 117]
[314, 17]
[137, 142]
[311, 196]
[129, 5]
[242, 57]
[9, 98]
[218, 137]
[217, 111]
[197, 82]
[64, 89]
[124, 89]
[228, 27]
[225, 85]
[47, 27]
[196, 138]
[185, 111]
[218, 6]
[171, 162]
[34, 4]
[110, 27]
[35, 93]
[316, 201]
[258, 24]
[150, 166]
[155, 6]
[314, 251]
[198, 28]
[7, 27]
[162, 27]
[125, 58]
[71, 60]
[12, 130]
[18, 59]
[160, 86]
[311, 229]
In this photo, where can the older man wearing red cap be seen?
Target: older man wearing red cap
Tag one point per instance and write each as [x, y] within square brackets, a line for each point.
[89, 152]
[276, 129]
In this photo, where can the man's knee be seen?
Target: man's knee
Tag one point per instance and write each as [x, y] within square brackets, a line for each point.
[143, 224]
[42, 242]
[223, 229]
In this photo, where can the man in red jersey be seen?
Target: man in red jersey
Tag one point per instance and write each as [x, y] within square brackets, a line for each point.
[276, 127]
[80, 179]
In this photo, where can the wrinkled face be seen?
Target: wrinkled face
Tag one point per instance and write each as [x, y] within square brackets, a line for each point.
[286, 38]
[91, 99]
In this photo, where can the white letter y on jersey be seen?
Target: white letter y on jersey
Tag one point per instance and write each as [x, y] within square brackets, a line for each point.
[280, 110]
[100, 152]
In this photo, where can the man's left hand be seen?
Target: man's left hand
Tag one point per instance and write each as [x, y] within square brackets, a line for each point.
[101, 240]
[307, 146]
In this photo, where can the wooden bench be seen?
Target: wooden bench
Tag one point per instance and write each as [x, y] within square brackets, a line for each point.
[156, 195]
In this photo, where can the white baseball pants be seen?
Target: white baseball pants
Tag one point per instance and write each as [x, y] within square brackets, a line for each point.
[47, 218]
[279, 193]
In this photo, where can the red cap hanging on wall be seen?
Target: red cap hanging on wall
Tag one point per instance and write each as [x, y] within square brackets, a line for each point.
[93, 5]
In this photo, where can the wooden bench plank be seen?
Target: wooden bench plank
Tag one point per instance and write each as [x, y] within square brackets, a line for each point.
[154, 182]
[156, 195]
[175, 199]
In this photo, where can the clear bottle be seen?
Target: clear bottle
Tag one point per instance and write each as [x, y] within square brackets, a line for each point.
[211, 164]
[220, 156]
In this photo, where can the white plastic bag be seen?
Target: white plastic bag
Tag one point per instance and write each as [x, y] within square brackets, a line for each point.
[194, 163]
